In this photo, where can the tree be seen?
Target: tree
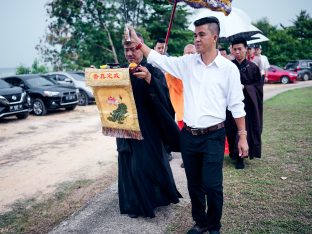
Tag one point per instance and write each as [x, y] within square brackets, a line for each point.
[157, 24]
[85, 32]
[21, 69]
[288, 43]
[35, 68]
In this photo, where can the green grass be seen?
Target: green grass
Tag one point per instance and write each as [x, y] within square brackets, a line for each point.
[257, 200]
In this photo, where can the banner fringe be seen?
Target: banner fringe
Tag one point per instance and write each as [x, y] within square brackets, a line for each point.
[122, 133]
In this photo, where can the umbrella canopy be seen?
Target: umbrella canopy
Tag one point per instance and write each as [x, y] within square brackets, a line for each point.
[236, 24]
[257, 38]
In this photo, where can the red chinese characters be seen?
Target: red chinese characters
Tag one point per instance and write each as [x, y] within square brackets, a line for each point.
[106, 76]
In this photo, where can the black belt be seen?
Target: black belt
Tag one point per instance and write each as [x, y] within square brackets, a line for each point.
[202, 131]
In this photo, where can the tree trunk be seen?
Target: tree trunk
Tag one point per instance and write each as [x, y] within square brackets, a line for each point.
[112, 45]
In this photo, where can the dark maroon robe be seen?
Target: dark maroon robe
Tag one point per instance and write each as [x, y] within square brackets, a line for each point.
[253, 92]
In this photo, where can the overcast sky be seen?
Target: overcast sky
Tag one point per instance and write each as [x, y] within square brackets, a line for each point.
[23, 23]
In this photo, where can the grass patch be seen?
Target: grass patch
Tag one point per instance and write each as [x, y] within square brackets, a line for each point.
[33, 216]
[257, 199]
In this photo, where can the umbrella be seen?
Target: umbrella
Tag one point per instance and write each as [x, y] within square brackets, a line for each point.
[237, 24]
[220, 5]
[257, 39]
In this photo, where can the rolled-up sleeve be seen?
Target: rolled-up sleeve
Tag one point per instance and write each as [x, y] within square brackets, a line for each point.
[172, 65]
[235, 95]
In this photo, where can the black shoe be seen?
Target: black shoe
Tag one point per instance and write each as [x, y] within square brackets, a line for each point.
[214, 232]
[240, 164]
[169, 157]
[197, 229]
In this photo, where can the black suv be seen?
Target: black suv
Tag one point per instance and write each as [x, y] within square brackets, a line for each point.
[45, 93]
[13, 101]
[302, 67]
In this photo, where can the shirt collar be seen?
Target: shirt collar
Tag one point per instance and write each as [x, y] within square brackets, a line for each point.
[217, 61]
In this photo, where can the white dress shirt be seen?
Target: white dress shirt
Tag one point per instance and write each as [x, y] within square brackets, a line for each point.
[265, 63]
[208, 89]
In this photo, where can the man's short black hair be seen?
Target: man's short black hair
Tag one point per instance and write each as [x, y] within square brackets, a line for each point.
[222, 49]
[208, 20]
[239, 40]
[159, 40]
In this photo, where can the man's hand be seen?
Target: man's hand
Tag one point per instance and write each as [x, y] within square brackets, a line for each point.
[243, 146]
[133, 36]
[143, 73]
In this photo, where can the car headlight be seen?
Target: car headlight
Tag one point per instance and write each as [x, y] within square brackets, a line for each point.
[292, 74]
[50, 93]
[4, 101]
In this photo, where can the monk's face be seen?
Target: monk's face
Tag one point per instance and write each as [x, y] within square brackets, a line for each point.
[239, 51]
[132, 55]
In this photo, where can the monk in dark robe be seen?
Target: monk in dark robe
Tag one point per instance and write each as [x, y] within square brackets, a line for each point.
[145, 179]
[253, 92]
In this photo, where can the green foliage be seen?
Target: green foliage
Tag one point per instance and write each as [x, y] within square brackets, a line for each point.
[22, 70]
[35, 68]
[287, 43]
[85, 32]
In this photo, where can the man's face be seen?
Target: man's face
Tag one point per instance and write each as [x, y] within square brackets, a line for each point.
[160, 47]
[132, 55]
[204, 40]
[250, 51]
[239, 51]
[189, 49]
[257, 51]
[223, 53]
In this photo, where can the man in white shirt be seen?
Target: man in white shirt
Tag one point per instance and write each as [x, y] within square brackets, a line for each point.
[264, 61]
[211, 83]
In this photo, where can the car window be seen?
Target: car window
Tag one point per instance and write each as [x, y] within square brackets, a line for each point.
[78, 76]
[40, 81]
[291, 65]
[51, 76]
[304, 64]
[61, 77]
[4, 85]
[14, 81]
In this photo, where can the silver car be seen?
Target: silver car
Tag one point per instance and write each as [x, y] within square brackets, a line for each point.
[76, 79]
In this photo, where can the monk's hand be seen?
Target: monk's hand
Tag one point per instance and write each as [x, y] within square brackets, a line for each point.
[243, 146]
[133, 36]
[143, 73]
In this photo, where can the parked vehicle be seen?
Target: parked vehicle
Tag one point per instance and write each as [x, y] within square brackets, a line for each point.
[45, 94]
[76, 79]
[279, 75]
[302, 67]
[13, 101]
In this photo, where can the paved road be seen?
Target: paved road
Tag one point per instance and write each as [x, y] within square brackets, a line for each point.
[101, 215]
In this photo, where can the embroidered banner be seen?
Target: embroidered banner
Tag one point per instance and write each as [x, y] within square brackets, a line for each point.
[215, 5]
[114, 99]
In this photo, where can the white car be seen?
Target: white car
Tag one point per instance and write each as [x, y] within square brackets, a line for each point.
[76, 79]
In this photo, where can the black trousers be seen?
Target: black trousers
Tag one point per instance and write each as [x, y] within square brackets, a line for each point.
[203, 161]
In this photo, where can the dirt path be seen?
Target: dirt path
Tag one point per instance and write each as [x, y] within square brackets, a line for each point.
[38, 153]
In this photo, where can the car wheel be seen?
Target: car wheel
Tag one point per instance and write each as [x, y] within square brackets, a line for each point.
[305, 77]
[82, 98]
[38, 107]
[71, 108]
[22, 115]
[284, 80]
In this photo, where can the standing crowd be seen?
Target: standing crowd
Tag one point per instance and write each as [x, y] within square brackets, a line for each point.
[210, 97]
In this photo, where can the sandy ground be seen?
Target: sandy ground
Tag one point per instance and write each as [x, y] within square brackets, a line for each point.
[39, 153]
